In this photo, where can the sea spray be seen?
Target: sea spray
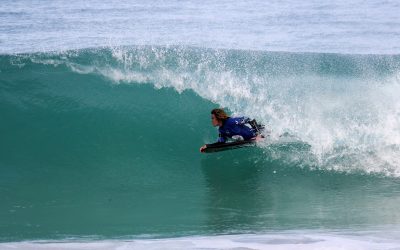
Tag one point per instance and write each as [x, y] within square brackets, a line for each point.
[346, 107]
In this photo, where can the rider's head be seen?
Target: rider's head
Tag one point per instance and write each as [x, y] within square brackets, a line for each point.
[218, 117]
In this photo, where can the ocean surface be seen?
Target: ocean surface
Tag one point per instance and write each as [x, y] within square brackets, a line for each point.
[105, 104]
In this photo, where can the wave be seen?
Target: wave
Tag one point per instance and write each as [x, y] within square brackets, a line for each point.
[106, 142]
[344, 109]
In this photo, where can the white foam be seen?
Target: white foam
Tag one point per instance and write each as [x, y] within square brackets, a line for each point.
[299, 240]
[351, 122]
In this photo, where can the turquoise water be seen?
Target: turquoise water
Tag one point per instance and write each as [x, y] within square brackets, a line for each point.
[104, 106]
[100, 147]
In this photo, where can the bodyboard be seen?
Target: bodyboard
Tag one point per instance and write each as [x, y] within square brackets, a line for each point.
[217, 147]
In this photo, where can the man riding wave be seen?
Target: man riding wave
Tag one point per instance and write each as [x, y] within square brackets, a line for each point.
[237, 128]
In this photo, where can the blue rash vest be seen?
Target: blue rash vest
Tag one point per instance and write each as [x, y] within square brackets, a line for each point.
[235, 126]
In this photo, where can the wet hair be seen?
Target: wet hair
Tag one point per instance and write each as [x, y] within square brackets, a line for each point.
[220, 114]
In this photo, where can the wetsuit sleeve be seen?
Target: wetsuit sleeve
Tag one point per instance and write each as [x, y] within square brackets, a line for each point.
[221, 138]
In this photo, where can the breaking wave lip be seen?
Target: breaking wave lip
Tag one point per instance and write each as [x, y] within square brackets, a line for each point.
[271, 240]
[345, 107]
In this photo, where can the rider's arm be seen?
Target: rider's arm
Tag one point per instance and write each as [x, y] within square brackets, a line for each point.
[221, 138]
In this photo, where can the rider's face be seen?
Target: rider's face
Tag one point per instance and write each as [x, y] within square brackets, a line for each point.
[214, 120]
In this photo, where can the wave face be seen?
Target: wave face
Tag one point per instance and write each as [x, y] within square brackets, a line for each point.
[105, 141]
[346, 107]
